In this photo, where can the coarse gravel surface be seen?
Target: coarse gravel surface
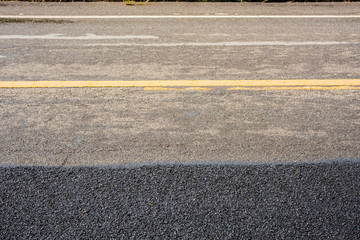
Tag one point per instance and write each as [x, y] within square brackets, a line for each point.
[277, 201]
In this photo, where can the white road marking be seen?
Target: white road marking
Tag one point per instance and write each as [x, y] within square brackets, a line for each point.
[173, 16]
[88, 36]
[230, 44]
[1, 56]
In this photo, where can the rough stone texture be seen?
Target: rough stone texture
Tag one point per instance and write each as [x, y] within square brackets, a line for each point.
[294, 201]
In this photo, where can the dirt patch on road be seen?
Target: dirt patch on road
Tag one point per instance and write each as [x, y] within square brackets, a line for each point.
[20, 20]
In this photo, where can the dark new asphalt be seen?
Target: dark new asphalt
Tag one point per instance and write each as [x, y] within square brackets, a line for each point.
[293, 201]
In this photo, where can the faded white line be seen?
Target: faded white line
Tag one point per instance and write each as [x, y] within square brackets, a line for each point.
[88, 36]
[174, 16]
[230, 44]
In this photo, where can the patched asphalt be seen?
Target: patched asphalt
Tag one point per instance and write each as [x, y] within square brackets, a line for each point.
[86, 143]
[276, 201]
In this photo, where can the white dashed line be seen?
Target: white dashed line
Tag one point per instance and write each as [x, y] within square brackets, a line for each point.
[88, 36]
[230, 44]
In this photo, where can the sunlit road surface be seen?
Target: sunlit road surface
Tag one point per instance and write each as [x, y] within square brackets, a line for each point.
[249, 83]
[208, 121]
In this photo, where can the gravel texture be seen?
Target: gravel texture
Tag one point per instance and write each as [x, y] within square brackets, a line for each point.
[277, 201]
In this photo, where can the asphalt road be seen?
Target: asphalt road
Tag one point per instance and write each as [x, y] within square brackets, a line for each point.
[304, 201]
[118, 126]
[148, 163]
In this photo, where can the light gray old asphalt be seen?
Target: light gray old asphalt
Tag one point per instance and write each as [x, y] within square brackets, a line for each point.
[158, 8]
[62, 126]
[121, 126]
[81, 127]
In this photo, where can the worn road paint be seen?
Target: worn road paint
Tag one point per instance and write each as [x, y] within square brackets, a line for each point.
[181, 83]
[88, 36]
[223, 44]
[295, 88]
[257, 88]
[175, 89]
[175, 16]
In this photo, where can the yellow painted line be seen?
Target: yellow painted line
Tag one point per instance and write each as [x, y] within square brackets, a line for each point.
[176, 89]
[256, 88]
[181, 83]
[296, 88]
